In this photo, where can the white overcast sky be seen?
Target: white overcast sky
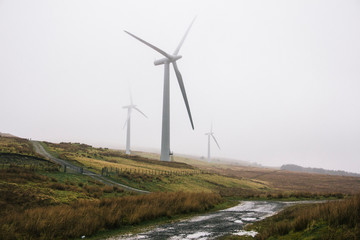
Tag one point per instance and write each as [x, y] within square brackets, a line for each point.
[280, 80]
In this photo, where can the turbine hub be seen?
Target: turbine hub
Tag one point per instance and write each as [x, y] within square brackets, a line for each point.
[167, 60]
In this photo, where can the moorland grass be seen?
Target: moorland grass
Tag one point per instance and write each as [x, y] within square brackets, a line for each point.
[339, 219]
[86, 217]
[286, 181]
[16, 145]
[22, 188]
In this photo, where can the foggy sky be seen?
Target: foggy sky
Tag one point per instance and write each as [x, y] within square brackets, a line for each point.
[279, 80]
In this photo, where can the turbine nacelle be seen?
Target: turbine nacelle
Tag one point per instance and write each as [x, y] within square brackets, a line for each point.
[167, 60]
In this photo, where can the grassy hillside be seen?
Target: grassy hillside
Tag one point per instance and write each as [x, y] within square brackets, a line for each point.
[144, 171]
[149, 174]
[16, 145]
[286, 181]
[22, 188]
[16, 151]
[38, 201]
[277, 181]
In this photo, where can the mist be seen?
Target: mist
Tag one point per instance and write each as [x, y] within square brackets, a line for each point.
[278, 80]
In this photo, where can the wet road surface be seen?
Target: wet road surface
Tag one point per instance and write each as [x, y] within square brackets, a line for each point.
[213, 225]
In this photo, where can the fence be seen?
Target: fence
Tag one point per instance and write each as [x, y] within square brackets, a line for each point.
[155, 172]
[104, 171]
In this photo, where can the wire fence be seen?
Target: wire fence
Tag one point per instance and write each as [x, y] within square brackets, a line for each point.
[155, 172]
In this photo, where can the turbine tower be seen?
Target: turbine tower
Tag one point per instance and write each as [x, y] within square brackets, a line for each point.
[169, 58]
[211, 133]
[128, 122]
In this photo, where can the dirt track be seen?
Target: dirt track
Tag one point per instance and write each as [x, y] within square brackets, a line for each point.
[40, 150]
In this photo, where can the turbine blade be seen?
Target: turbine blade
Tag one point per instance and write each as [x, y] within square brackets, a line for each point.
[126, 122]
[140, 111]
[182, 87]
[150, 45]
[183, 39]
[215, 141]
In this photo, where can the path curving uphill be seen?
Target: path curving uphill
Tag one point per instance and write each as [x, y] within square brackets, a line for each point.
[41, 150]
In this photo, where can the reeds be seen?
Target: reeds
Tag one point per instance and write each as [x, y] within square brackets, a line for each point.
[86, 217]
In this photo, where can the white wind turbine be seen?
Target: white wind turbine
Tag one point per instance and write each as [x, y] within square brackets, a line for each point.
[211, 133]
[128, 122]
[169, 58]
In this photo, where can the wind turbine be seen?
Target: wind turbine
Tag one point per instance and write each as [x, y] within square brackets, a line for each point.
[169, 58]
[211, 133]
[128, 122]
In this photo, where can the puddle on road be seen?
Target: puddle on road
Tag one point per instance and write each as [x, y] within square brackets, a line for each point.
[246, 233]
[197, 235]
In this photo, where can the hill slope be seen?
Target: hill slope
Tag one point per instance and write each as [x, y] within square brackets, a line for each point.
[146, 173]
[296, 168]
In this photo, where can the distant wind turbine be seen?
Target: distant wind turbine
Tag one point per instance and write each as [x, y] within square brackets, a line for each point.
[128, 122]
[211, 133]
[169, 58]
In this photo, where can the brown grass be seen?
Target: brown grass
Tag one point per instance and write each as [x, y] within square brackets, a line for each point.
[341, 216]
[20, 175]
[17, 145]
[88, 217]
[22, 188]
[260, 194]
[280, 180]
